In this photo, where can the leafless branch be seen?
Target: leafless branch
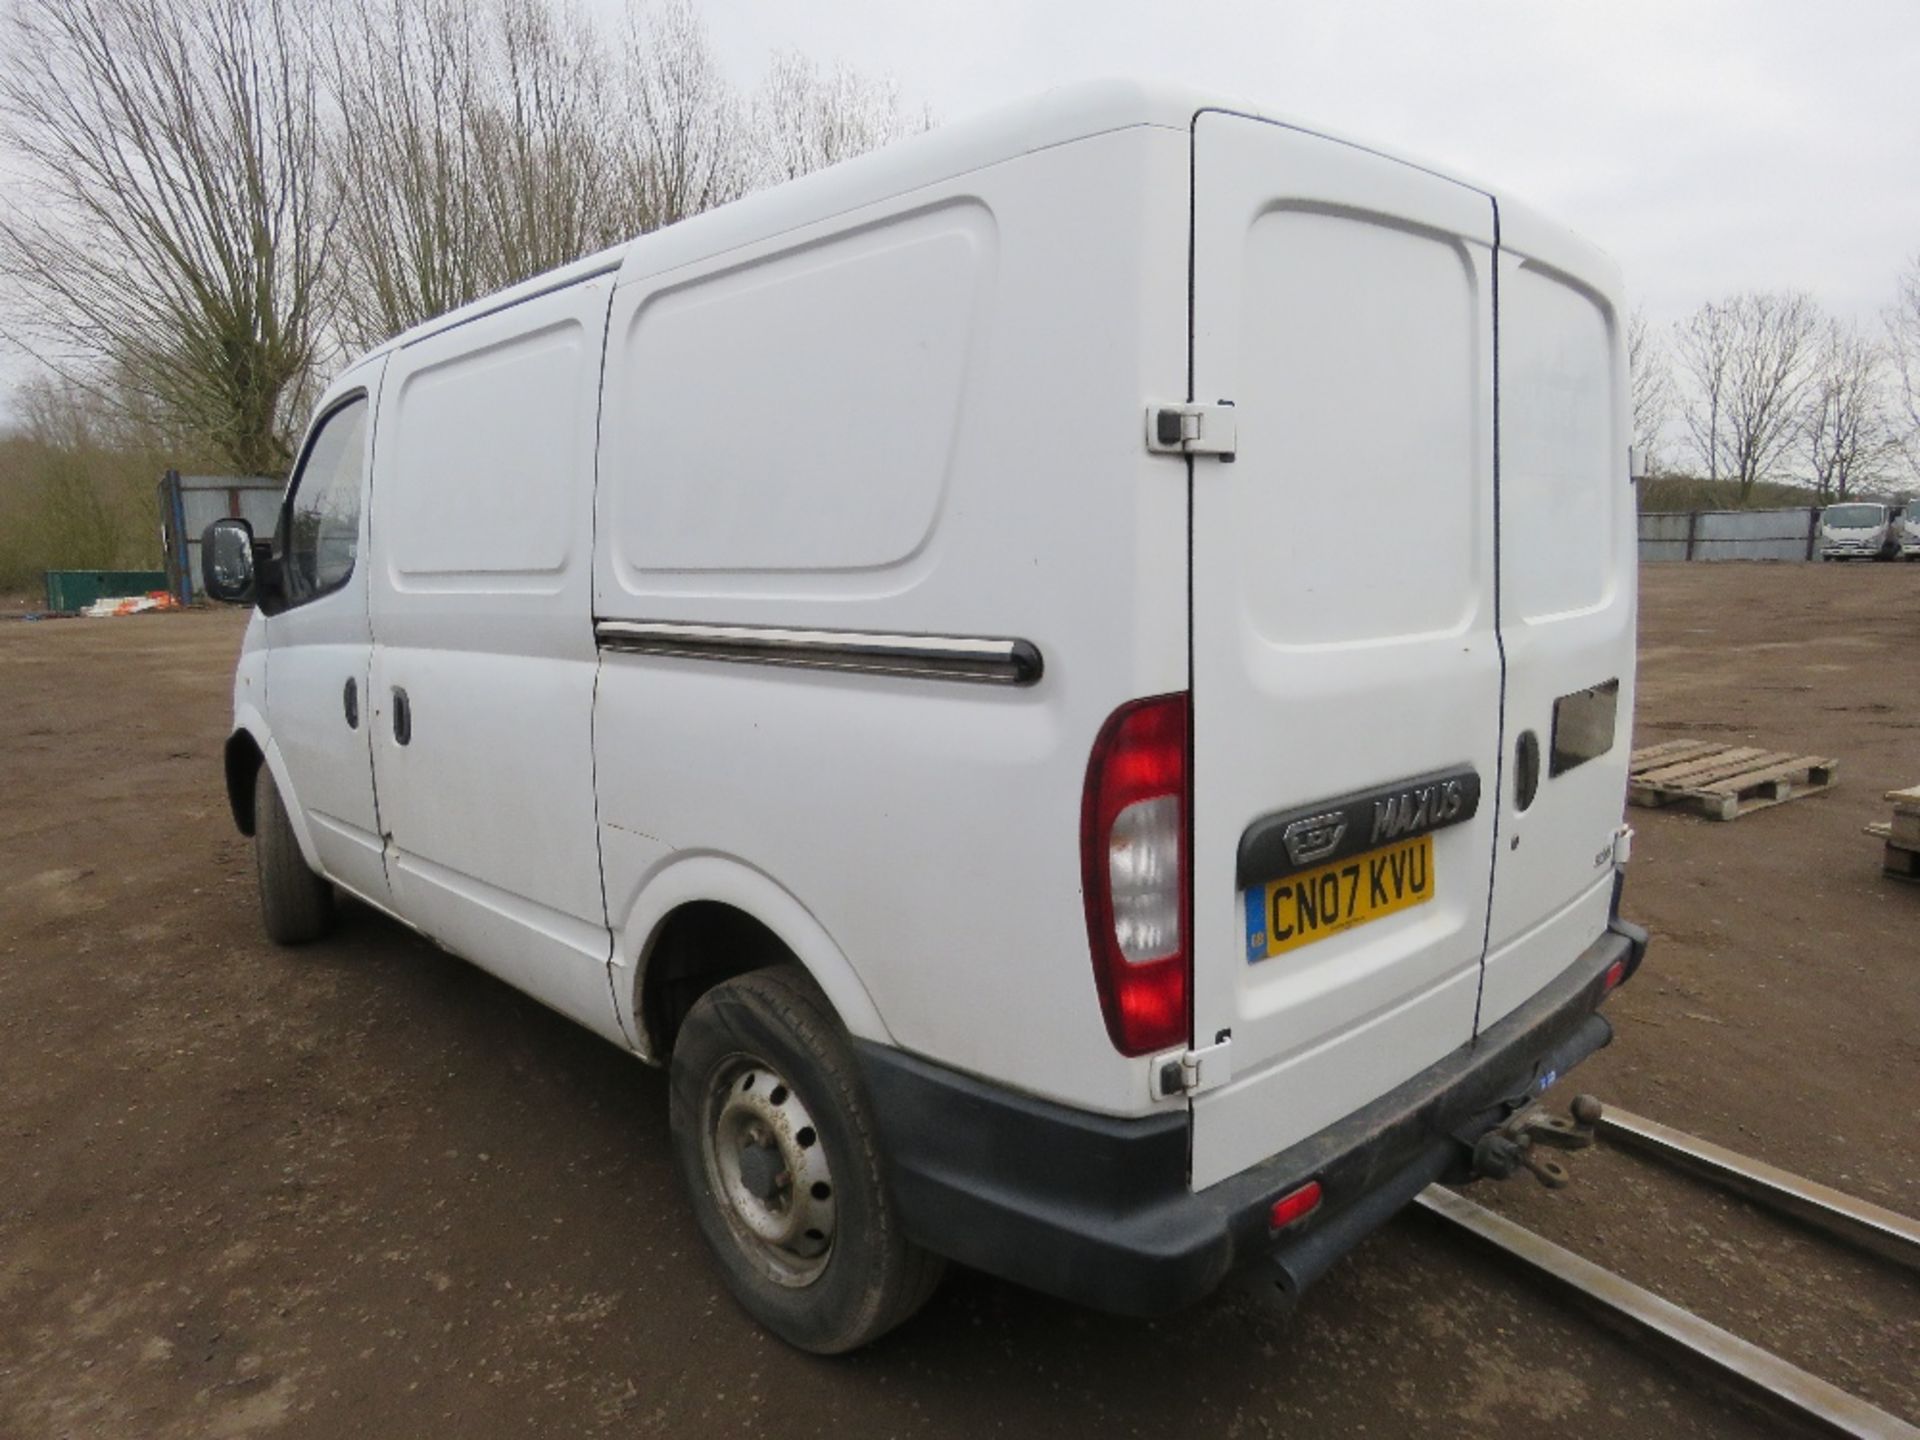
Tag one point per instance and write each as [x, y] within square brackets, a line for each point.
[173, 230]
[1652, 382]
[1849, 432]
[1749, 361]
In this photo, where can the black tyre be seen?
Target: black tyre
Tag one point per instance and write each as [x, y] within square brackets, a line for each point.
[776, 1147]
[295, 903]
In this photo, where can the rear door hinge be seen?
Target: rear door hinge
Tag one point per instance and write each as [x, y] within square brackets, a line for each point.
[1204, 1068]
[1183, 429]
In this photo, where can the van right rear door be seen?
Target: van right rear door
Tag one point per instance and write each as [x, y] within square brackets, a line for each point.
[1346, 668]
[1568, 563]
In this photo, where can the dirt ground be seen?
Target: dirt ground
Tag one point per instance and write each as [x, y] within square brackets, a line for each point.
[363, 1189]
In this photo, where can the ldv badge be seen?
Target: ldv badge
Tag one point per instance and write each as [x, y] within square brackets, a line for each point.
[1315, 837]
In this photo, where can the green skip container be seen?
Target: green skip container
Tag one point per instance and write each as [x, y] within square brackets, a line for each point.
[70, 590]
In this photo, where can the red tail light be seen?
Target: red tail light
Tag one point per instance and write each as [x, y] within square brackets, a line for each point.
[1134, 857]
[1294, 1205]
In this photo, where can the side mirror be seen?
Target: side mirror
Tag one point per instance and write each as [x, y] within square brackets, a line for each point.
[226, 561]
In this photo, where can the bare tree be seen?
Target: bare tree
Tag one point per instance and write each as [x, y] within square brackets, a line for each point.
[684, 142]
[76, 482]
[482, 145]
[548, 171]
[476, 148]
[805, 119]
[1849, 434]
[404, 79]
[1749, 360]
[172, 230]
[1705, 344]
[1903, 337]
[1652, 381]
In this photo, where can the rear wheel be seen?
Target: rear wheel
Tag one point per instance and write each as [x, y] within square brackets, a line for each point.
[776, 1147]
[296, 904]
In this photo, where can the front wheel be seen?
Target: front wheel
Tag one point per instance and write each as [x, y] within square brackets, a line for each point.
[295, 903]
[776, 1147]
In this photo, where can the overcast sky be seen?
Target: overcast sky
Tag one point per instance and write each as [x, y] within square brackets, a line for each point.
[1710, 145]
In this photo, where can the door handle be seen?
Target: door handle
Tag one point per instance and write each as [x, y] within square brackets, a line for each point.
[350, 702]
[402, 717]
[1526, 770]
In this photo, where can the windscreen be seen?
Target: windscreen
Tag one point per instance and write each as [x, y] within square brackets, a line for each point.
[1855, 517]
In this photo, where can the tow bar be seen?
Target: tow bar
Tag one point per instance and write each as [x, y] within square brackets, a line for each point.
[1517, 1143]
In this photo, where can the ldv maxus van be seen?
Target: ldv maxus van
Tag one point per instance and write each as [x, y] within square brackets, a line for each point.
[885, 650]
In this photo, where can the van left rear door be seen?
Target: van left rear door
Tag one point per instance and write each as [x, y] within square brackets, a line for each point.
[1346, 666]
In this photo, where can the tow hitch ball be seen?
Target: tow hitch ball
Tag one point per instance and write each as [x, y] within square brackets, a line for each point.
[1516, 1144]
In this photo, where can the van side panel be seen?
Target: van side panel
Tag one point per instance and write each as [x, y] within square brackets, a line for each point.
[922, 418]
[773, 491]
[482, 530]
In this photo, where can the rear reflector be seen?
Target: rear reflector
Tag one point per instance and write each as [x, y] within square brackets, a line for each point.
[1133, 870]
[1616, 972]
[1294, 1205]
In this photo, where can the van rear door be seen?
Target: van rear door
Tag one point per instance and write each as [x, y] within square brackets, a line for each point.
[1346, 668]
[1568, 557]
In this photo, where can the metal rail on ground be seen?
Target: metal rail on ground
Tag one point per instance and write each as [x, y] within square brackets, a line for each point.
[1762, 1377]
[1881, 1232]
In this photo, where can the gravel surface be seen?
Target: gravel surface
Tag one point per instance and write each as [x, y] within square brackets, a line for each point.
[364, 1189]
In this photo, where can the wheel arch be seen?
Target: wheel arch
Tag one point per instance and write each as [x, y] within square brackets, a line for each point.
[243, 758]
[701, 919]
[247, 749]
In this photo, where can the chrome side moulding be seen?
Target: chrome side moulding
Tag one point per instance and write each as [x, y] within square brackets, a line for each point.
[924, 657]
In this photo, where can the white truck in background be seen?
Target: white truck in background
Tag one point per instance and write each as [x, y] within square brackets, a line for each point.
[1861, 530]
[885, 650]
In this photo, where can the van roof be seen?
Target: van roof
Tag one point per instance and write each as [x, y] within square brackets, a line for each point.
[1054, 117]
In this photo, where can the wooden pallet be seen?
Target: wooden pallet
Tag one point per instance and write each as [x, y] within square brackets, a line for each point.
[1723, 782]
[1904, 829]
[1901, 856]
[1902, 862]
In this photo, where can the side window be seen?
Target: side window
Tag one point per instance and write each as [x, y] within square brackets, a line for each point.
[323, 507]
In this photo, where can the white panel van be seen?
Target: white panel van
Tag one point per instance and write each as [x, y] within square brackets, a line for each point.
[886, 651]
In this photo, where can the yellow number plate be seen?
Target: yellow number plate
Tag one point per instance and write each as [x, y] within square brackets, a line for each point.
[1285, 914]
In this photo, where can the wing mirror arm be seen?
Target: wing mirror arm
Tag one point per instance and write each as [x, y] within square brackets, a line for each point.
[268, 594]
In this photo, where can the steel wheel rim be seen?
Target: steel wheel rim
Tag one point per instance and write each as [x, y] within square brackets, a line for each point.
[767, 1170]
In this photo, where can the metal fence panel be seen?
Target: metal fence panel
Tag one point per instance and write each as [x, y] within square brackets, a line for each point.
[1665, 525]
[1729, 534]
